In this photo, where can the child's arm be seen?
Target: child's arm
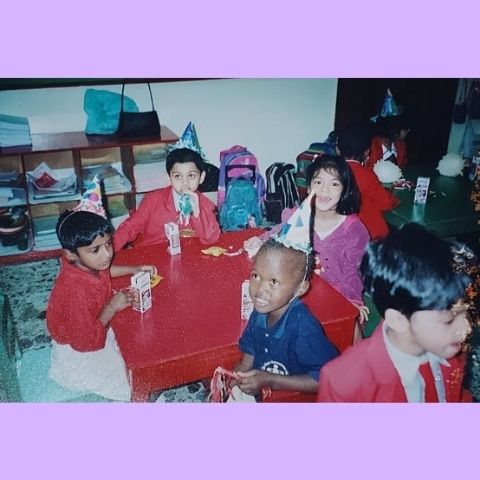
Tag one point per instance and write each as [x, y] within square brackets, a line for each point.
[118, 302]
[130, 228]
[120, 270]
[253, 381]
[204, 220]
[252, 245]
[377, 195]
[245, 364]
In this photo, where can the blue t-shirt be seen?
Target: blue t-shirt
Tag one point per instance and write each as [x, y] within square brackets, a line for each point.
[295, 345]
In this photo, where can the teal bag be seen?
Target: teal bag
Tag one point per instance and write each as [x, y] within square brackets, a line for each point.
[103, 110]
[241, 205]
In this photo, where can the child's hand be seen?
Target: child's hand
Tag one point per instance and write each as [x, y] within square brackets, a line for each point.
[253, 381]
[123, 298]
[195, 203]
[363, 312]
[318, 267]
[152, 269]
[252, 245]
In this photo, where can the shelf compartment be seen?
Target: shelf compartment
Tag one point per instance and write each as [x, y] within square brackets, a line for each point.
[149, 168]
[13, 240]
[44, 219]
[12, 182]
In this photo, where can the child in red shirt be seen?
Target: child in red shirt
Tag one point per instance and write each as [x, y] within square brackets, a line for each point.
[180, 203]
[419, 284]
[354, 144]
[85, 355]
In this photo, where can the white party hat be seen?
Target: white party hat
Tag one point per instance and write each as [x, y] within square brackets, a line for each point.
[295, 233]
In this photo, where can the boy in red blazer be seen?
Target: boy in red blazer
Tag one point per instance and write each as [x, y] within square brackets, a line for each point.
[354, 144]
[146, 226]
[418, 283]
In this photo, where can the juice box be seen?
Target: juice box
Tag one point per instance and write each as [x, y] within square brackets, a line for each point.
[141, 282]
[173, 235]
[247, 303]
[421, 190]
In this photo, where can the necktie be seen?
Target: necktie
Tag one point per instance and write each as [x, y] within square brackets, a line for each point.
[430, 389]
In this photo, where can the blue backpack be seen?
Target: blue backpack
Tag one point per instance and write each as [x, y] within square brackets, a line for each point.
[240, 205]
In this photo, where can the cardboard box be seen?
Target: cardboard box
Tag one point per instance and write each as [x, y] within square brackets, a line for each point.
[173, 235]
[141, 282]
[421, 190]
[247, 303]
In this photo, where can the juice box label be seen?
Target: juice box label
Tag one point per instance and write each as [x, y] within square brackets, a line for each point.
[141, 282]
[173, 235]
[421, 190]
[247, 303]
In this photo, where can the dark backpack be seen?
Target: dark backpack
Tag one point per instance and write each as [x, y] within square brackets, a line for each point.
[281, 190]
[210, 184]
[241, 203]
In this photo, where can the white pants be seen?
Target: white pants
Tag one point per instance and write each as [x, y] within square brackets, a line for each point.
[102, 372]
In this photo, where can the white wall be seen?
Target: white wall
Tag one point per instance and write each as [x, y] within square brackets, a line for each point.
[275, 118]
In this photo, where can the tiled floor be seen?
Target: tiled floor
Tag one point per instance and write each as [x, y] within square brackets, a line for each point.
[28, 287]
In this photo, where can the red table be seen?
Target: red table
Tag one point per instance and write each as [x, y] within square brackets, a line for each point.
[194, 324]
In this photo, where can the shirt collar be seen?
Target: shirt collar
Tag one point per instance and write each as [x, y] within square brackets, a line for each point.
[278, 329]
[407, 365]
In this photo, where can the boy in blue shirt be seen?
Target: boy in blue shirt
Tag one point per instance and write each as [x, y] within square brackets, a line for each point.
[283, 345]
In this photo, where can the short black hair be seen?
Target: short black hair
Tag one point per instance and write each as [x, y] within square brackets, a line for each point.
[389, 127]
[350, 199]
[80, 229]
[354, 139]
[184, 155]
[412, 269]
[306, 262]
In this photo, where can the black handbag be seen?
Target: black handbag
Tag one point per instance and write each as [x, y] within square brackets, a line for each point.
[460, 108]
[474, 101]
[138, 124]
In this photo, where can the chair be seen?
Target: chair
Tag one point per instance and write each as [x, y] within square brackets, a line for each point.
[374, 318]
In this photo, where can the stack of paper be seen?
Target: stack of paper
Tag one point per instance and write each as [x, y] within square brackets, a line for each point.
[14, 131]
[11, 191]
[150, 170]
[44, 233]
[114, 181]
[46, 183]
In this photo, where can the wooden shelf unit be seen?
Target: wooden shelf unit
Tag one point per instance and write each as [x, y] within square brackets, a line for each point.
[72, 150]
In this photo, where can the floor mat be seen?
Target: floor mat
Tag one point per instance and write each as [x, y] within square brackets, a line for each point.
[28, 287]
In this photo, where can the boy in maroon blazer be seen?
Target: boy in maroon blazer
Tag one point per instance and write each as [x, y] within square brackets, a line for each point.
[418, 283]
[354, 144]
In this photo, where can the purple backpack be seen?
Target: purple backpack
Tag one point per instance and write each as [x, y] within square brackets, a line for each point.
[236, 157]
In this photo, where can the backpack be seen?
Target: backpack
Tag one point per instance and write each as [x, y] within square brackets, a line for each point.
[241, 158]
[210, 184]
[241, 204]
[305, 158]
[281, 190]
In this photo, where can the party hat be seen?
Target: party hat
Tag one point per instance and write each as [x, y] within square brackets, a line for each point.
[389, 107]
[92, 199]
[189, 140]
[296, 232]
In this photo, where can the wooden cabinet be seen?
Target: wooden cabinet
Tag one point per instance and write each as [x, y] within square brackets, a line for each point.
[28, 212]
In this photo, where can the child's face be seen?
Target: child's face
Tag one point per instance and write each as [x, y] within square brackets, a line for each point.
[186, 177]
[328, 190]
[96, 256]
[274, 280]
[439, 331]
